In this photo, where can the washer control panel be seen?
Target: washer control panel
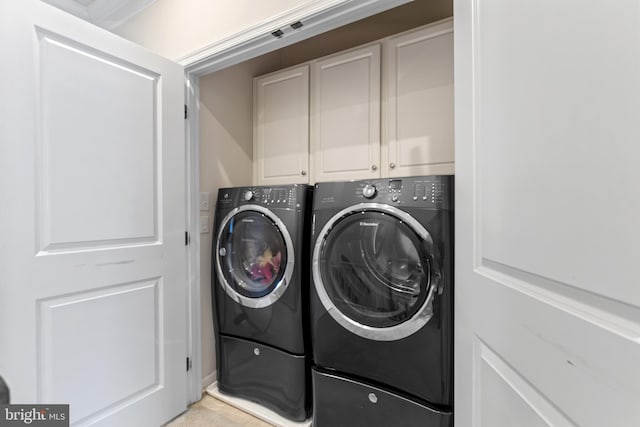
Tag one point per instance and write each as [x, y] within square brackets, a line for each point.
[288, 197]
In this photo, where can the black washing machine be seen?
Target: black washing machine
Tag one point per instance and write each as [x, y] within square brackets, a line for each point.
[260, 296]
[382, 305]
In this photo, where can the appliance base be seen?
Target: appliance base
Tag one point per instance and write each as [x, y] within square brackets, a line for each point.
[340, 401]
[264, 375]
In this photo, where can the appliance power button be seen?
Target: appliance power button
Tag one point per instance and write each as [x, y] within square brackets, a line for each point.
[369, 191]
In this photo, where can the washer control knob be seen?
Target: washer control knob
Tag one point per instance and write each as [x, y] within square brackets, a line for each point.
[373, 398]
[394, 198]
[256, 351]
[369, 191]
[249, 195]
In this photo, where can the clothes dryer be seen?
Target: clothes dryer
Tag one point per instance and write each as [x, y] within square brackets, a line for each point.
[260, 296]
[381, 308]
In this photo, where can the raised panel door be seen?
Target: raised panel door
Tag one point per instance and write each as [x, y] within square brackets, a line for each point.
[93, 283]
[547, 204]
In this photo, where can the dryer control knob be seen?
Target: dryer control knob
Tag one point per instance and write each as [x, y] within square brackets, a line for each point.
[248, 195]
[369, 191]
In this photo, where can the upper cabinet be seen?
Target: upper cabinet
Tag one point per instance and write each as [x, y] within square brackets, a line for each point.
[369, 117]
[419, 118]
[345, 123]
[281, 127]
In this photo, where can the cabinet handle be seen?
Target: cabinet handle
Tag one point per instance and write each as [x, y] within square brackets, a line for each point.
[303, 173]
[392, 165]
[374, 167]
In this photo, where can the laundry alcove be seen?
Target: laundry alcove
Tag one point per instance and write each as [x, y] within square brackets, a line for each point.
[226, 119]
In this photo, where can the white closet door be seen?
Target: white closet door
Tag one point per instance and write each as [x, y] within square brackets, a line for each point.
[419, 81]
[93, 286]
[345, 123]
[547, 300]
[281, 132]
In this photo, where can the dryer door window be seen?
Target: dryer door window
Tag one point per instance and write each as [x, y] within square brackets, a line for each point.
[374, 272]
[254, 256]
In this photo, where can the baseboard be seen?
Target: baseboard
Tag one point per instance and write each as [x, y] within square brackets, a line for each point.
[254, 409]
[208, 381]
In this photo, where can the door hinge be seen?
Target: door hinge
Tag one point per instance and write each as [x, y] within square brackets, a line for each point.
[187, 240]
[186, 112]
[188, 364]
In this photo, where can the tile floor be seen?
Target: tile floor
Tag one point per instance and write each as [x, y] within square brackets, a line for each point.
[210, 412]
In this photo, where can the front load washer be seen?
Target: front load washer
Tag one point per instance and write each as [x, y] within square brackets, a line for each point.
[260, 296]
[381, 308]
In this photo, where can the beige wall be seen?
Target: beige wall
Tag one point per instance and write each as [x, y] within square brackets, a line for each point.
[175, 28]
[226, 160]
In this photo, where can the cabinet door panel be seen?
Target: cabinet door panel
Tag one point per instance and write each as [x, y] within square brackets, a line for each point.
[346, 115]
[281, 132]
[420, 101]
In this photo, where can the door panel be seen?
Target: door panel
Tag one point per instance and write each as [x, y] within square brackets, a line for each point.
[84, 116]
[65, 329]
[547, 307]
[93, 275]
[506, 399]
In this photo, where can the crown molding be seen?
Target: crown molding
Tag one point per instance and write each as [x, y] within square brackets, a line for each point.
[316, 18]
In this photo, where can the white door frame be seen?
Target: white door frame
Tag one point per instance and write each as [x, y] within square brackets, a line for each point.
[317, 17]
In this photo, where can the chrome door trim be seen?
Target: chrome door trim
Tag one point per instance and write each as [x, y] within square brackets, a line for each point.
[281, 286]
[392, 333]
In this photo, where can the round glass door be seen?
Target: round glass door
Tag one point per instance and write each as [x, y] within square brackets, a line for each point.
[374, 272]
[254, 256]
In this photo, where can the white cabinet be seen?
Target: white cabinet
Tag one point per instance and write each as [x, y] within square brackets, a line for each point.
[281, 127]
[345, 124]
[342, 117]
[419, 116]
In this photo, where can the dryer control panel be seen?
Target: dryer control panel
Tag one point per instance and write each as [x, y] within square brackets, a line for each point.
[427, 191]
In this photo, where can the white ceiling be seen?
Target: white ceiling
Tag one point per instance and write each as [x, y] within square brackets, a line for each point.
[108, 14]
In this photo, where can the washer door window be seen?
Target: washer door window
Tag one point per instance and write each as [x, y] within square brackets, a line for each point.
[374, 272]
[254, 256]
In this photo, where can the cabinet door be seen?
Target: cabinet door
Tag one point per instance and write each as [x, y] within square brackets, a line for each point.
[345, 135]
[419, 78]
[281, 127]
